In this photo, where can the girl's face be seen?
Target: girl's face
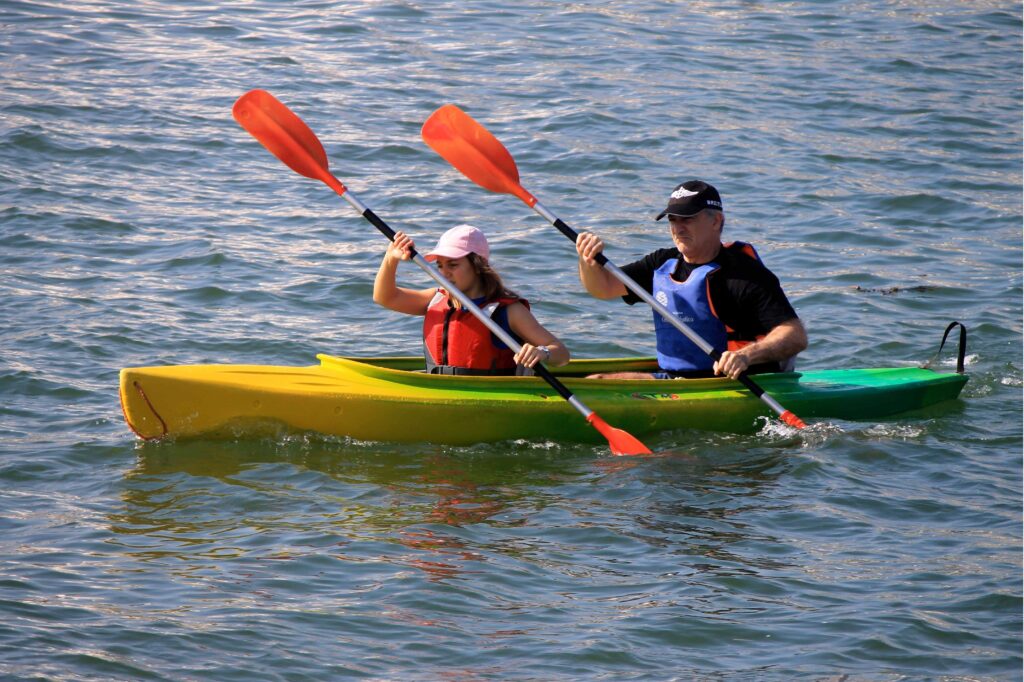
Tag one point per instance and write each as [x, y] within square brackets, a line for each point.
[461, 273]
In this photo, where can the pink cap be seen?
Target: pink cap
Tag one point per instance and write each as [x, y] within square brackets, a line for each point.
[460, 241]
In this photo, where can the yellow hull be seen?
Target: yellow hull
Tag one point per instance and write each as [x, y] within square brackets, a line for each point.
[382, 399]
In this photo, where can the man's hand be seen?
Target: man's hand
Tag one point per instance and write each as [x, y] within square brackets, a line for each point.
[732, 364]
[588, 245]
[598, 281]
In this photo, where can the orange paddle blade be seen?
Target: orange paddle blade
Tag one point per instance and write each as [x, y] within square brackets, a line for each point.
[474, 151]
[621, 442]
[283, 133]
[793, 420]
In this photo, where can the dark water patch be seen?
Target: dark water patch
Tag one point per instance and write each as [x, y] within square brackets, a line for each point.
[100, 225]
[1001, 20]
[855, 235]
[336, 29]
[888, 291]
[29, 383]
[32, 139]
[922, 204]
[68, 147]
[214, 31]
[979, 125]
[35, 111]
[397, 11]
[24, 241]
[386, 151]
[203, 295]
[187, 263]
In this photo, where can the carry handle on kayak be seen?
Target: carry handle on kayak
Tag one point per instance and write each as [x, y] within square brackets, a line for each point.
[961, 347]
[482, 158]
[288, 138]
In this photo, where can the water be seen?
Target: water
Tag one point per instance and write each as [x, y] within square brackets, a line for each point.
[871, 151]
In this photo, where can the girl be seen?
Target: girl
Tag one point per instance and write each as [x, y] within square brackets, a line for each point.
[454, 340]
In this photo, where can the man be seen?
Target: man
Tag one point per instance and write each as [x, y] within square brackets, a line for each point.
[721, 291]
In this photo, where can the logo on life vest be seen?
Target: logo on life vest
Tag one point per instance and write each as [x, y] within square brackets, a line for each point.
[661, 298]
[682, 193]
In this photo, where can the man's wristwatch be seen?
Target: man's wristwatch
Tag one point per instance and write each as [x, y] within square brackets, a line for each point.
[546, 351]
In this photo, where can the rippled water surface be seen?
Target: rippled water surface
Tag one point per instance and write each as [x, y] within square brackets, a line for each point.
[872, 152]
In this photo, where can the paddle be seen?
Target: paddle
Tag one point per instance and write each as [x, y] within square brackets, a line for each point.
[474, 151]
[291, 140]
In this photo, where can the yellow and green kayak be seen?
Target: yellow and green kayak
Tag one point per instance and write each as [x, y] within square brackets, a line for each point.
[387, 399]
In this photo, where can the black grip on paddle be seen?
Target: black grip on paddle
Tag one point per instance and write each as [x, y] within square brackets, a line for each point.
[571, 234]
[749, 383]
[379, 224]
[565, 229]
[544, 373]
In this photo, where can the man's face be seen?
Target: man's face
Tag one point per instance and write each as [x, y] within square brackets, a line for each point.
[697, 235]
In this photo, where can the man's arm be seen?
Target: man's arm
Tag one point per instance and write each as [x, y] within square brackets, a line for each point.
[783, 341]
[598, 282]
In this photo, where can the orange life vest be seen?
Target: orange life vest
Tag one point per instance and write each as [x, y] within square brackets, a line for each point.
[456, 342]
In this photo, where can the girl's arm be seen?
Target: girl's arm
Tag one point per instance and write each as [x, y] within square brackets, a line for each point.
[385, 290]
[526, 327]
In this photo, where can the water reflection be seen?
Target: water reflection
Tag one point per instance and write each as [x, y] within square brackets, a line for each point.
[446, 512]
[430, 540]
[203, 501]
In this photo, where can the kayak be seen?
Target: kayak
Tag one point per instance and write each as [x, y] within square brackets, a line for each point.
[392, 399]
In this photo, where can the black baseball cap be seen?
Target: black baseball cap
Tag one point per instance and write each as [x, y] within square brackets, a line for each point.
[690, 198]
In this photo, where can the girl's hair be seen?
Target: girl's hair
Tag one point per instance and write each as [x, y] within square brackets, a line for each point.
[490, 280]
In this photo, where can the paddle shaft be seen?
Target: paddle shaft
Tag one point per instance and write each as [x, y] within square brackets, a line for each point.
[631, 284]
[428, 267]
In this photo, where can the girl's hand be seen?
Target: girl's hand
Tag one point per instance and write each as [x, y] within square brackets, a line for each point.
[401, 248]
[529, 355]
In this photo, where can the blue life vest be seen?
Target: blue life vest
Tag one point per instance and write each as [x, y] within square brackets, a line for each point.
[691, 302]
